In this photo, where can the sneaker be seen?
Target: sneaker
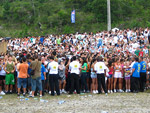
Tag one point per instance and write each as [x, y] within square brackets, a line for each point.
[49, 92]
[31, 96]
[106, 94]
[111, 91]
[61, 91]
[121, 91]
[114, 90]
[24, 94]
[2, 93]
[10, 92]
[129, 90]
[126, 91]
[40, 96]
[18, 95]
[96, 91]
[108, 91]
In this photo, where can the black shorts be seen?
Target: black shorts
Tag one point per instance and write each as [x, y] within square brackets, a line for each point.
[2, 77]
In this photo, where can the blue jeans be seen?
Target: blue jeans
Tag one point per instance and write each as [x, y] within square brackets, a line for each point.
[23, 82]
[36, 83]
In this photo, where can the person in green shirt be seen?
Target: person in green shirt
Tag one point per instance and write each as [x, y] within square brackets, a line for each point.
[137, 51]
[58, 40]
[84, 67]
[9, 68]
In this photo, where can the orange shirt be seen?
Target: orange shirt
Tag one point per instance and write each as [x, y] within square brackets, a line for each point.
[23, 70]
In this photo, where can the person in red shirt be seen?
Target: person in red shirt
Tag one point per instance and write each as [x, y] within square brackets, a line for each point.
[141, 53]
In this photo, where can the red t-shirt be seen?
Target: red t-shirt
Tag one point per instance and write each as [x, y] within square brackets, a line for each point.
[141, 53]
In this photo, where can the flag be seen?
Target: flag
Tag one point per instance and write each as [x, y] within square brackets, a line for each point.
[73, 19]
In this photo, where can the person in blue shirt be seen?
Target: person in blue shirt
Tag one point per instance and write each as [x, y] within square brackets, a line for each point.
[135, 76]
[29, 78]
[43, 77]
[142, 74]
[42, 39]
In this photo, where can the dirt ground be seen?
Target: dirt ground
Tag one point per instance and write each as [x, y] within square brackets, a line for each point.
[83, 103]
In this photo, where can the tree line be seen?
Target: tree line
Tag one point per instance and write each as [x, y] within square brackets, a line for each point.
[20, 18]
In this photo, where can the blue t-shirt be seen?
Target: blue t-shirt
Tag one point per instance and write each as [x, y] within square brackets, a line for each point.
[29, 69]
[42, 39]
[137, 68]
[42, 72]
[143, 67]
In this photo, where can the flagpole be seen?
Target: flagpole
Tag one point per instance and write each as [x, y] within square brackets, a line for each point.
[108, 16]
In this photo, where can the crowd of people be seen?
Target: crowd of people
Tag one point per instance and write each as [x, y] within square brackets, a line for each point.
[104, 62]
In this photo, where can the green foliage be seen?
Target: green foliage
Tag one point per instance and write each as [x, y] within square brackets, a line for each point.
[20, 18]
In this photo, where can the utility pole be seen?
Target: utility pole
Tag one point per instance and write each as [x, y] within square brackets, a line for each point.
[108, 16]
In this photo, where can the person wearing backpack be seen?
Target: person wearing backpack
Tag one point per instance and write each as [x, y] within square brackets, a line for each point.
[36, 76]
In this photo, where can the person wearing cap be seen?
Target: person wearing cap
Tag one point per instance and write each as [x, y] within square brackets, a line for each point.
[100, 69]
[53, 76]
[74, 68]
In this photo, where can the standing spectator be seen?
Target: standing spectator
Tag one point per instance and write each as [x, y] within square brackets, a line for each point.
[9, 69]
[43, 77]
[29, 73]
[141, 53]
[137, 51]
[142, 74]
[22, 77]
[94, 78]
[2, 77]
[100, 69]
[53, 76]
[36, 78]
[62, 77]
[74, 71]
[135, 76]
[110, 77]
[127, 76]
[84, 87]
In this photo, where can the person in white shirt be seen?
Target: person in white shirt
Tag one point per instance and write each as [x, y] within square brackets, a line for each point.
[74, 68]
[100, 69]
[53, 76]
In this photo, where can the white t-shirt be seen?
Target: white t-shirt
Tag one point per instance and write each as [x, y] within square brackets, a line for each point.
[99, 67]
[74, 67]
[116, 39]
[53, 67]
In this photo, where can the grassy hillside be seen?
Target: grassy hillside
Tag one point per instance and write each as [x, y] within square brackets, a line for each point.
[20, 18]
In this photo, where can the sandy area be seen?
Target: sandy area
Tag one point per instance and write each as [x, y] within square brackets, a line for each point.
[113, 103]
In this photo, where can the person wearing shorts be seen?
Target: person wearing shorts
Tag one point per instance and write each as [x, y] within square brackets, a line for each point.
[2, 78]
[118, 75]
[22, 77]
[127, 76]
[94, 78]
[110, 77]
[62, 77]
[9, 68]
